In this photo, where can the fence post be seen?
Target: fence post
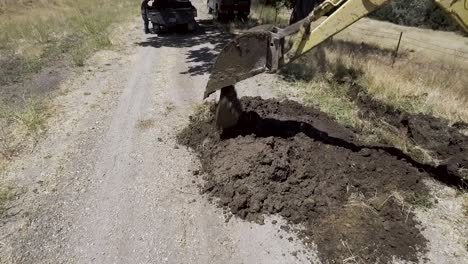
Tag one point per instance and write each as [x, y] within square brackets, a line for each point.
[395, 54]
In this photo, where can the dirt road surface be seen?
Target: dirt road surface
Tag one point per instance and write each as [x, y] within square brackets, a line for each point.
[110, 184]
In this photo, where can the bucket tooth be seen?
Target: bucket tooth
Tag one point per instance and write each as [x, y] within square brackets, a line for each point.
[229, 108]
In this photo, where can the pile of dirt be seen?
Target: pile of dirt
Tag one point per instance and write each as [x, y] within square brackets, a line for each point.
[287, 159]
[447, 146]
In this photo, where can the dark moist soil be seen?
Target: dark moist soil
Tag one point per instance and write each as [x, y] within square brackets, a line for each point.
[287, 159]
[444, 141]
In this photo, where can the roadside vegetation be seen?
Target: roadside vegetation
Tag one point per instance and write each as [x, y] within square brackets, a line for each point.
[328, 76]
[21, 128]
[465, 204]
[276, 13]
[6, 194]
[34, 34]
[37, 34]
[421, 13]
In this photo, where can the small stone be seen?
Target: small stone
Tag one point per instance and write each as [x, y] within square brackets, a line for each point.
[387, 226]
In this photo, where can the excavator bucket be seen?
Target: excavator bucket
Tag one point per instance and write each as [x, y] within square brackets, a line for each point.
[242, 58]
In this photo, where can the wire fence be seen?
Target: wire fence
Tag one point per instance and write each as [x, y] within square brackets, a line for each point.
[403, 40]
[397, 39]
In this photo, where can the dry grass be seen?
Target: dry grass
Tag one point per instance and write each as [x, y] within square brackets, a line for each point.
[412, 86]
[269, 14]
[35, 33]
[201, 112]
[416, 85]
[465, 204]
[324, 78]
[19, 128]
[6, 194]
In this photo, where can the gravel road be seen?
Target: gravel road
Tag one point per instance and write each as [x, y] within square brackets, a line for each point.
[109, 183]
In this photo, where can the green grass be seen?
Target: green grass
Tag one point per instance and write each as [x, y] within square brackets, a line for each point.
[331, 99]
[33, 117]
[6, 194]
[270, 14]
[34, 36]
[420, 200]
[18, 128]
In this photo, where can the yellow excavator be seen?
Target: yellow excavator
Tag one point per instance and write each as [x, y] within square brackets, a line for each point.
[256, 52]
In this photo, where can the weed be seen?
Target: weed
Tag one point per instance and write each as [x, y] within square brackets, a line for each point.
[201, 112]
[420, 200]
[145, 124]
[465, 204]
[169, 108]
[33, 117]
[6, 194]
[19, 127]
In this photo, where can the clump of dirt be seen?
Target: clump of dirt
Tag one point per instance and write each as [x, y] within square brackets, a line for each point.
[287, 159]
[447, 145]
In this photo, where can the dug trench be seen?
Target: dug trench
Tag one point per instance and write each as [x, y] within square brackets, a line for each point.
[288, 159]
[447, 146]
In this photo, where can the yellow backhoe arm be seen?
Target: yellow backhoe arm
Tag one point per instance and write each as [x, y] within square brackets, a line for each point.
[260, 51]
[457, 9]
[347, 14]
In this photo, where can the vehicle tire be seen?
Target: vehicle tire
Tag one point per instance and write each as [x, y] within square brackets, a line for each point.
[191, 27]
[210, 10]
[243, 17]
[219, 17]
[155, 28]
[162, 29]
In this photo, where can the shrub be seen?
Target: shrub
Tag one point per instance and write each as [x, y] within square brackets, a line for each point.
[418, 13]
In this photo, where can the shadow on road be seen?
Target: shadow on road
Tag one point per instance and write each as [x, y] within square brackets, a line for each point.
[209, 37]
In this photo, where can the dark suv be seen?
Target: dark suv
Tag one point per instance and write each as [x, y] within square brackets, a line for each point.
[168, 14]
[225, 9]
